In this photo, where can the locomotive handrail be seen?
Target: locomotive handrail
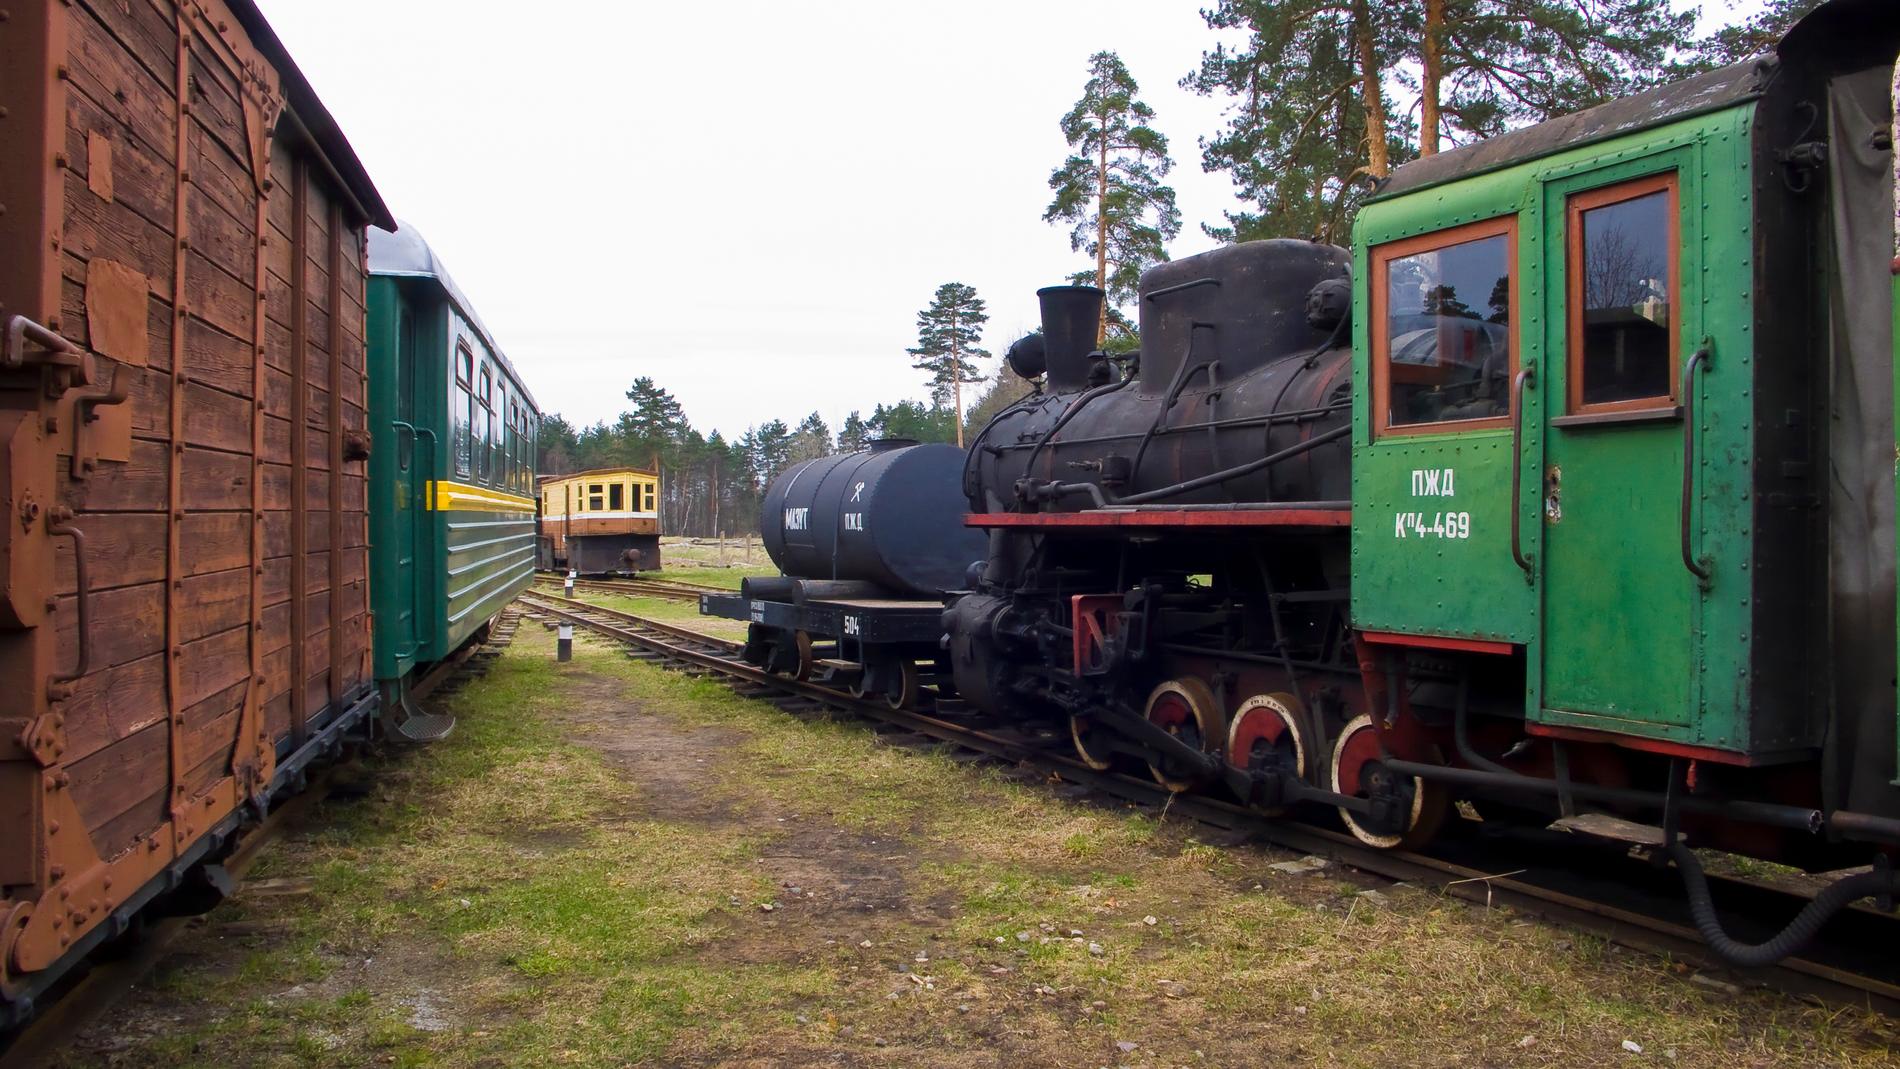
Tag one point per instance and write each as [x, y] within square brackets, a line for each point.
[1697, 565]
[1526, 377]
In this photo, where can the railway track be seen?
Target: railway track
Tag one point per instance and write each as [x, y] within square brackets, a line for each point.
[1624, 899]
[106, 982]
[637, 588]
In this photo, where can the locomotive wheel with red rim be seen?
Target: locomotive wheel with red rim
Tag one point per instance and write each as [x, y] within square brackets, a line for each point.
[1417, 807]
[1268, 732]
[1091, 743]
[1185, 708]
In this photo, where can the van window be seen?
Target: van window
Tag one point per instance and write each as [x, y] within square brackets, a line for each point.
[1443, 351]
[1624, 319]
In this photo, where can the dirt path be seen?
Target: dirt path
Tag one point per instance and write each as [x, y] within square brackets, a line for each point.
[609, 865]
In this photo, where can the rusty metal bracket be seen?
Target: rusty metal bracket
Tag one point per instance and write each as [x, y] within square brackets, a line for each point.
[118, 387]
[25, 344]
[59, 523]
[44, 737]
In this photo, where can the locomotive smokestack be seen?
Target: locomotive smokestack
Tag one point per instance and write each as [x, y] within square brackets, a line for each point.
[1070, 316]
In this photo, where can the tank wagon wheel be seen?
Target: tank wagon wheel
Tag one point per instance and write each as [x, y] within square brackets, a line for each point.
[801, 642]
[1186, 709]
[1358, 772]
[1268, 732]
[865, 683]
[1090, 745]
[902, 684]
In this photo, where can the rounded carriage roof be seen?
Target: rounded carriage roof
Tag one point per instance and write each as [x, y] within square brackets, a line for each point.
[405, 253]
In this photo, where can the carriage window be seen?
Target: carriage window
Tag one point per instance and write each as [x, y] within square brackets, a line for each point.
[1442, 344]
[463, 415]
[596, 497]
[646, 497]
[616, 497]
[485, 427]
[1623, 303]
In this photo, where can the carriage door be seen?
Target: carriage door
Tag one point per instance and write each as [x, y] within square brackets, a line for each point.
[413, 454]
[1619, 604]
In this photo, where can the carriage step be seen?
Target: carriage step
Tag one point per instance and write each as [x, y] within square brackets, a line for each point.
[838, 664]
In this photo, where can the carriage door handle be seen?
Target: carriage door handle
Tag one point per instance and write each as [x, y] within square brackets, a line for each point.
[1526, 378]
[1697, 564]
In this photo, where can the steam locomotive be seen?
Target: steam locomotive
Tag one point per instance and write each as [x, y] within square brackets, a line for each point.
[1566, 492]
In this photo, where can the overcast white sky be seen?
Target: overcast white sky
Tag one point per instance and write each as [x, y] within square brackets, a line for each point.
[747, 201]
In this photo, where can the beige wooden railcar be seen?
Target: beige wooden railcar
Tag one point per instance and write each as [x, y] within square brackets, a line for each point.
[600, 521]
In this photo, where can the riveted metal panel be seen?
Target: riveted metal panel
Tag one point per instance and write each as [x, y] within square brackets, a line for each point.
[1607, 611]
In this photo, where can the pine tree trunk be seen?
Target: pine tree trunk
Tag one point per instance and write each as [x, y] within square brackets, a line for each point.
[1101, 237]
[956, 391]
[1377, 165]
[1434, 74]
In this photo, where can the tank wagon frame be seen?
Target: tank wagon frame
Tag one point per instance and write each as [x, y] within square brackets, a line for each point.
[184, 622]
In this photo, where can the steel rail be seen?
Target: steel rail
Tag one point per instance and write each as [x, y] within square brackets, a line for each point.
[639, 588]
[1535, 890]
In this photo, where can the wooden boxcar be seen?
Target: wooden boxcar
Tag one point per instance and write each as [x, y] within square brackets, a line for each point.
[184, 617]
[453, 464]
[601, 521]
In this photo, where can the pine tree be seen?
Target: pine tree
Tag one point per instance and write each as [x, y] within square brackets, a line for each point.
[811, 440]
[1109, 188]
[556, 446]
[1753, 36]
[656, 423]
[948, 333]
[909, 419]
[853, 433]
[1312, 121]
[1490, 65]
[768, 449]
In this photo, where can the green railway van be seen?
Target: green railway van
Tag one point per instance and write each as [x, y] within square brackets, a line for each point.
[452, 520]
[1624, 369]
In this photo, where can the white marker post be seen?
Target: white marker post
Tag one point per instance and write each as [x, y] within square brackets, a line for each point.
[564, 645]
[571, 573]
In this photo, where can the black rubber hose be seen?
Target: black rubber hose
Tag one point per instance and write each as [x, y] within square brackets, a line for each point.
[1790, 939]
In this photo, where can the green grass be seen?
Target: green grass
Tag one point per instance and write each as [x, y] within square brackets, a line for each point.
[577, 874]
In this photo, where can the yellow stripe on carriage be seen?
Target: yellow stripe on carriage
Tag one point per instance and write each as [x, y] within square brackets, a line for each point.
[462, 497]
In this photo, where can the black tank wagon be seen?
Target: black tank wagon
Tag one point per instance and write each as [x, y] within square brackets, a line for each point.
[868, 542]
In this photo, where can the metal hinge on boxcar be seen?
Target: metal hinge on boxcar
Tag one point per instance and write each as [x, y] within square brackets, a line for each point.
[64, 366]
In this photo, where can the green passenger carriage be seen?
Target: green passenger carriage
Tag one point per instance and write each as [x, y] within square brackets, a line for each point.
[452, 519]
